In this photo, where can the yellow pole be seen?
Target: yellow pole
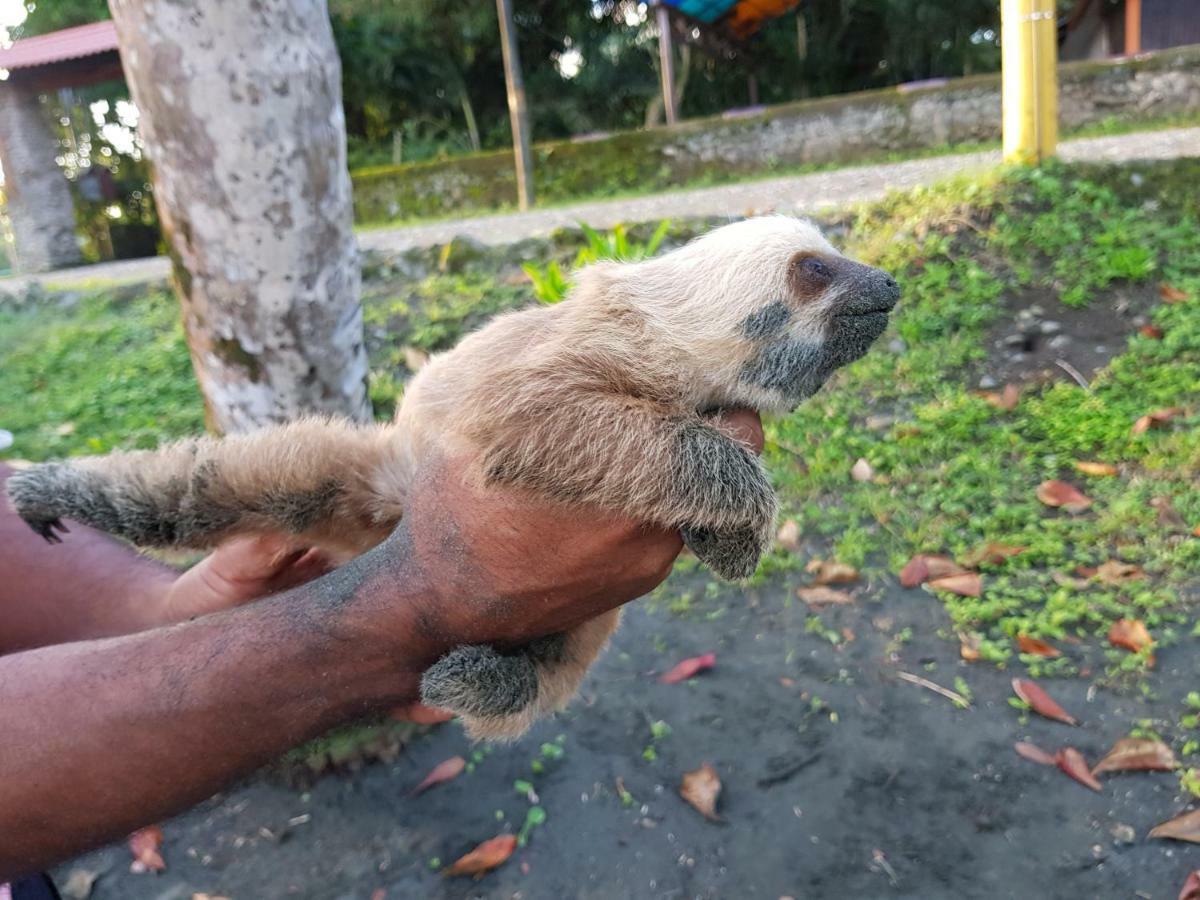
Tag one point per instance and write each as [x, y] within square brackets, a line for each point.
[1029, 51]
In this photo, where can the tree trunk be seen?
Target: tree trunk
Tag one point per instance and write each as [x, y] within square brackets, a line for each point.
[241, 113]
[40, 209]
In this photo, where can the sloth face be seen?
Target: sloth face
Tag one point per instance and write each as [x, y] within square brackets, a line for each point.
[831, 312]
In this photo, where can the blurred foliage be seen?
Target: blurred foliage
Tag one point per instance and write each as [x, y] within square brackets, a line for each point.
[550, 284]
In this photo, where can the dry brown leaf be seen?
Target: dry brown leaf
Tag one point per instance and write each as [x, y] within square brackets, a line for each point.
[1191, 887]
[1131, 634]
[1034, 753]
[1072, 762]
[446, 770]
[1060, 494]
[1040, 702]
[991, 553]
[701, 788]
[1196, 531]
[1181, 828]
[969, 584]
[1115, 572]
[689, 667]
[830, 571]
[922, 568]
[968, 647]
[1156, 418]
[1037, 646]
[1171, 294]
[1006, 399]
[1168, 517]
[1151, 331]
[824, 596]
[1096, 469]
[788, 536]
[1137, 755]
[485, 857]
[862, 471]
[379, 894]
[145, 845]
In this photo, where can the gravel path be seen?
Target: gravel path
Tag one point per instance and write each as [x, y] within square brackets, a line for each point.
[792, 194]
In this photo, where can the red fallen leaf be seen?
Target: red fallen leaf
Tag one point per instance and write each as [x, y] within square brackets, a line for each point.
[969, 584]
[829, 571]
[379, 894]
[1171, 294]
[145, 844]
[923, 567]
[689, 667]
[1072, 762]
[1196, 531]
[1153, 419]
[447, 770]
[1005, 400]
[1096, 469]
[1191, 887]
[1060, 494]
[1151, 331]
[824, 596]
[1040, 702]
[1115, 572]
[1137, 755]
[485, 857]
[991, 553]
[1034, 753]
[701, 788]
[1036, 646]
[1131, 634]
[1181, 828]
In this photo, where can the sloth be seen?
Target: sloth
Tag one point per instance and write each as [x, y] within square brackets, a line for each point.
[605, 401]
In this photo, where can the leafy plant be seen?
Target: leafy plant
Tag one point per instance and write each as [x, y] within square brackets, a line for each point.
[550, 284]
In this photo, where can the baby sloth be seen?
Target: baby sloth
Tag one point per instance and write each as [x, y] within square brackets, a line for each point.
[606, 400]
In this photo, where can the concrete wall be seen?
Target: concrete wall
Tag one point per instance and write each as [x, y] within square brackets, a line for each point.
[834, 129]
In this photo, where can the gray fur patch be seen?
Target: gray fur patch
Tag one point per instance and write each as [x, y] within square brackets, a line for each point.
[298, 511]
[478, 681]
[548, 650]
[766, 322]
[718, 481]
[793, 367]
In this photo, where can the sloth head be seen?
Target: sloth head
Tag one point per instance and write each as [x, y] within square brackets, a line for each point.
[761, 311]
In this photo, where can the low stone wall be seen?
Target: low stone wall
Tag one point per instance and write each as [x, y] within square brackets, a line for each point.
[841, 129]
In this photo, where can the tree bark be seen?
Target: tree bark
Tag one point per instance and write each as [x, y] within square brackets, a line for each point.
[37, 197]
[241, 113]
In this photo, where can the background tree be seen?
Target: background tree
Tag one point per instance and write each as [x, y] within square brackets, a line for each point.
[241, 116]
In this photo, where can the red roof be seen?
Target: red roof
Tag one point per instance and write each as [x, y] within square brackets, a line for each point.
[57, 46]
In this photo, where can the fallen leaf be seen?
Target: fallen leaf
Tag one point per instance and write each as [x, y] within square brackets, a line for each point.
[824, 596]
[1040, 702]
[1061, 494]
[1072, 762]
[701, 789]
[848, 634]
[1168, 516]
[1151, 331]
[1096, 469]
[1196, 531]
[832, 572]
[447, 770]
[968, 647]
[991, 553]
[862, 471]
[379, 894]
[1115, 572]
[1034, 753]
[485, 857]
[689, 667]
[145, 844]
[1171, 294]
[1191, 887]
[1156, 418]
[788, 536]
[79, 884]
[1006, 400]
[1137, 755]
[1181, 828]
[923, 567]
[1036, 646]
[969, 584]
[787, 682]
[1131, 634]
[415, 359]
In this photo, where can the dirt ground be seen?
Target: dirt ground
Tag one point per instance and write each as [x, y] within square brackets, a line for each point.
[904, 795]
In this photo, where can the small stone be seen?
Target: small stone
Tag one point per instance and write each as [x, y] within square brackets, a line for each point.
[987, 382]
[1123, 834]
[1136, 179]
[1051, 327]
[1059, 341]
[1014, 340]
[862, 471]
[897, 345]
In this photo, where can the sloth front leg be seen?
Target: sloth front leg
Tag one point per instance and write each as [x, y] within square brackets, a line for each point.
[311, 478]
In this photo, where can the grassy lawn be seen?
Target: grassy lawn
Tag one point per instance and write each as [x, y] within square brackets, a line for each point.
[951, 470]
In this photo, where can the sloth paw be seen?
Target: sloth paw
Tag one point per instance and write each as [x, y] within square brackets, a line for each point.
[477, 681]
[732, 555]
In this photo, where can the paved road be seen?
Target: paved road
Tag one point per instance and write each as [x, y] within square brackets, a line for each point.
[792, 194]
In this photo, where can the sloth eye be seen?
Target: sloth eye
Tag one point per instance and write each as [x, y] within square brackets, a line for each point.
[814, 268]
